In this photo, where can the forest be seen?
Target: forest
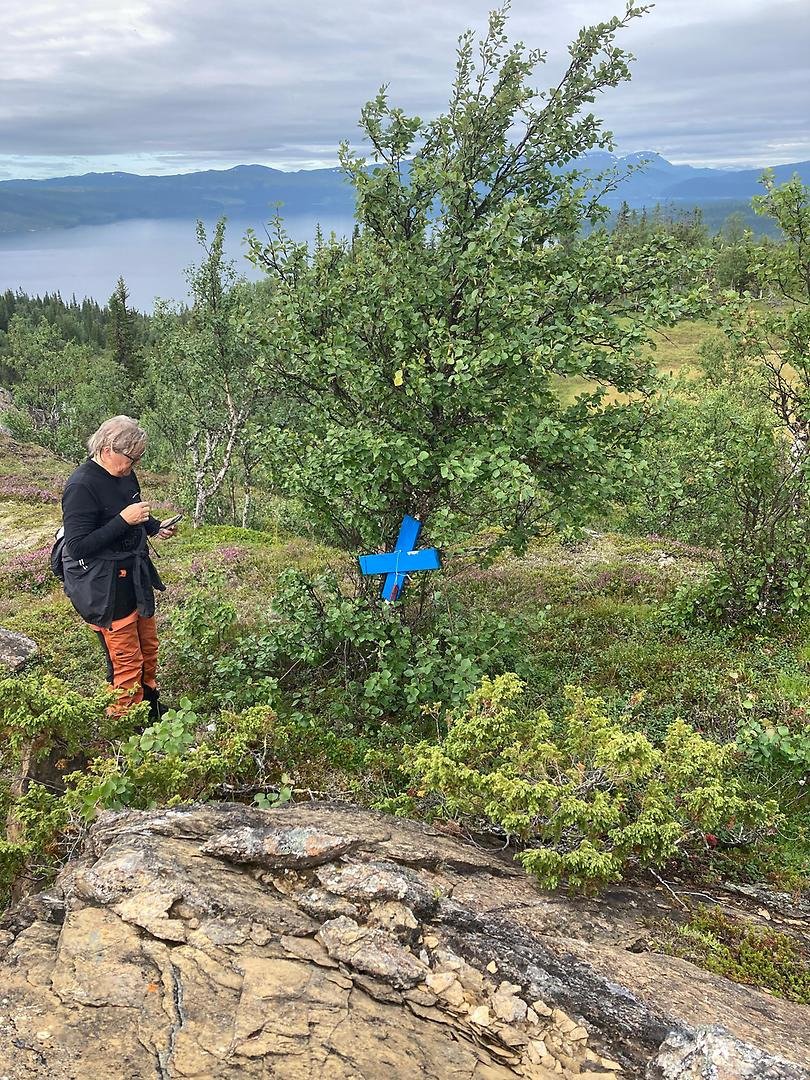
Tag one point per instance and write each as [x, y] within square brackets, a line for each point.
[602, 424]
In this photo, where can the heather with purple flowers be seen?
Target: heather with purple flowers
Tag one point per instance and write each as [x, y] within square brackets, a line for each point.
[28, 571]
[211, 561]
[231, 554]
[13, 489]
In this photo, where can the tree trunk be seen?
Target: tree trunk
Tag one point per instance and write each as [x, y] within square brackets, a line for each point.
[15, 830]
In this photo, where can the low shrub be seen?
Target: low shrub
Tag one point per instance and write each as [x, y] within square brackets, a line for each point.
[783, 748]
[589, 799]
[38, 714]
[367, 663]
[43, 821]
[181, 759]
[40, 711]
[756, 957]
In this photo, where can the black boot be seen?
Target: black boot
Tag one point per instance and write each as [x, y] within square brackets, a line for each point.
[152, 695]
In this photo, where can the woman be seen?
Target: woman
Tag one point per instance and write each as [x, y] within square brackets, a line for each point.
[109, 576]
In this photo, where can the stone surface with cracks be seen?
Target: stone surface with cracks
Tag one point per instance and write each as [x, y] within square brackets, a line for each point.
[226, 941]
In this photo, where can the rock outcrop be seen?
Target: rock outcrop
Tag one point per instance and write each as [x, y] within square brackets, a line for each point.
[15, 650]
[319, 941]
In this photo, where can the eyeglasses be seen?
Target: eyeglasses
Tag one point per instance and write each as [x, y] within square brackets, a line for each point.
[123, 453]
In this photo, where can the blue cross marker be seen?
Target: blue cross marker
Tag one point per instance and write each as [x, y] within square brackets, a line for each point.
[403, 560]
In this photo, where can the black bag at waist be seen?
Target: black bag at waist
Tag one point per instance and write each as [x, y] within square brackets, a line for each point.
[90, 583]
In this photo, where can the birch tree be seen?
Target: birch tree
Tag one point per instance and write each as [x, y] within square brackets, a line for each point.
[206, 386]
[431, 355]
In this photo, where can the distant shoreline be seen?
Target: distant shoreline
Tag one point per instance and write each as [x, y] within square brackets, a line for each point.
[255, 192]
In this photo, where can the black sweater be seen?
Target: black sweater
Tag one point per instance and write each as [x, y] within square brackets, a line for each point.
[91, 513]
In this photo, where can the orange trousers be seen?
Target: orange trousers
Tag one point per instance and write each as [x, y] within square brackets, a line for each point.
[131, 648]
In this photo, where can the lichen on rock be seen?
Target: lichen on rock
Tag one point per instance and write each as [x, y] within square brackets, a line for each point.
[227, 941]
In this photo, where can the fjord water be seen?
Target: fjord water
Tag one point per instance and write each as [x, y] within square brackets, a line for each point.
[151, 256]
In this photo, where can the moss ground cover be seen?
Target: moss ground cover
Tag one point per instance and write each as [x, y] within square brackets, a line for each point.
[756, 956]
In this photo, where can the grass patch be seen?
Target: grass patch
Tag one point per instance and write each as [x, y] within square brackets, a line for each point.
[677, 349]
[676, 352]
[31, 464]
[25, 526]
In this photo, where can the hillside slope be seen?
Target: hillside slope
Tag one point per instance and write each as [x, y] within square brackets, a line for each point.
[252, 192]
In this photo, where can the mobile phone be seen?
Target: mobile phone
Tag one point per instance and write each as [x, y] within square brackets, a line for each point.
[171, 521]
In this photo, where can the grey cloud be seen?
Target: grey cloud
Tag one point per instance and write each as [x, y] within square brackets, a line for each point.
[254, 81]
[730, 93]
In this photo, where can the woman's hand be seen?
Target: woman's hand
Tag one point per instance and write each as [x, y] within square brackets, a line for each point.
[136, 513]
[166, 531]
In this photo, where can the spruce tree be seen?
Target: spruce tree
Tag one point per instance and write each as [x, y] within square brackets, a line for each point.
[121, 333]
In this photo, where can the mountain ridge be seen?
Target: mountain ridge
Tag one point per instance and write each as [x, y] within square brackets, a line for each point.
[251, 190]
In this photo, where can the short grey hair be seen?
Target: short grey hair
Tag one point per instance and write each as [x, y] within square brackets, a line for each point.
[119, 433]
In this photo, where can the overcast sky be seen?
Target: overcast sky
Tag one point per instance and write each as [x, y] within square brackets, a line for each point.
[162, 86]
